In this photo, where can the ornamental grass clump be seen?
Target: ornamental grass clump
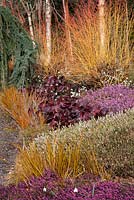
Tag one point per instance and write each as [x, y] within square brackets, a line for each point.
[49, 187]
[66, 160]
[111, 138]
[22, 106]
[29, 162]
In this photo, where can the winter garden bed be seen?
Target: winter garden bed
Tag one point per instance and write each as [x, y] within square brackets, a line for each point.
[101, 144]
[75, 115]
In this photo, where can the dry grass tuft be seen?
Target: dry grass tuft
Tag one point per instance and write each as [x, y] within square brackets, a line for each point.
[22, 107]
[29, 162]
[66, 160]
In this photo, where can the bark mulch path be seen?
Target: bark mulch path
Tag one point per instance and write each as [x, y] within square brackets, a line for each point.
[9, 139]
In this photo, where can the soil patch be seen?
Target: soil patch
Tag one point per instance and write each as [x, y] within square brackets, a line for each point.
[9, 140]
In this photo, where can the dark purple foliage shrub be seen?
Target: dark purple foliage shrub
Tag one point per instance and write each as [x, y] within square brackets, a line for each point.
[61, 108]
[58, 102]
[60, 112]
[54, 87]
[50, 187]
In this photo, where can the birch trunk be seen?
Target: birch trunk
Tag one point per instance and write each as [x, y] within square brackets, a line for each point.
[48, 31]
[67, 31]
[31, 28]
[3, 3]
[102, 26]
[29, 12]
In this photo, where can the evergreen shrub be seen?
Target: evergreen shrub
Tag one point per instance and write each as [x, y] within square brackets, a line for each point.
[17, 53]
[111, 138]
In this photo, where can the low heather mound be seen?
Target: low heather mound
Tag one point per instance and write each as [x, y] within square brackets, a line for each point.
[50, 187]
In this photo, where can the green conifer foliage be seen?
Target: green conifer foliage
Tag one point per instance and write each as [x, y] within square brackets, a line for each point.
[15, 44]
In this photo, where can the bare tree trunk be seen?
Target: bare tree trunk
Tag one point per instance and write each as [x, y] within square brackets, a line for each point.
[127, 34]
[31, 28]
[48, 31]
[39, 7]
[101, 7]
[29, 14]
[67, 31]
[3, 3]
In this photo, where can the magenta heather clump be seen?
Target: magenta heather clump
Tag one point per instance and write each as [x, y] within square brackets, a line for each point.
[54, 190]
[110, 99]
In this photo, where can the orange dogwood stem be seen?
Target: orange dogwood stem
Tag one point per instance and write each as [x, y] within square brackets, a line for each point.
[102, 25]
[67, 31]
[48, 31]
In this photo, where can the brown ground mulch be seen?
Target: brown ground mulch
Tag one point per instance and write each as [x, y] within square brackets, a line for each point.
[9, 140]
